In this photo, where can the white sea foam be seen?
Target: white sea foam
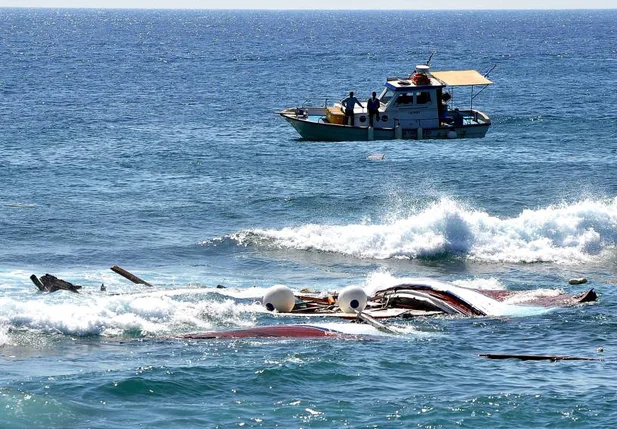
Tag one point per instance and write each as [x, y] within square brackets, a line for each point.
[560, 234]
[4, 337]
[159, 313]
[524, 297]
[382, 279]
[349, 328]
[482, 284]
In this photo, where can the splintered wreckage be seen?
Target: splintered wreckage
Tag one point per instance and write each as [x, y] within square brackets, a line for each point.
[412, 298]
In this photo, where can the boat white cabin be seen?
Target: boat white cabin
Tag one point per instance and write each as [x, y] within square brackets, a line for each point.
[413, 107]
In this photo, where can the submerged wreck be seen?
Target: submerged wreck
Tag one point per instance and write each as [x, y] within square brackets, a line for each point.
[414, 298]
[428, 297]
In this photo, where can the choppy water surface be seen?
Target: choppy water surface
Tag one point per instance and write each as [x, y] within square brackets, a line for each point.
[148, 139]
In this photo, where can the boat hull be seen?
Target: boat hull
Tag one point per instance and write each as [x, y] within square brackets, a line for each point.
[314, 128]
[279, 331]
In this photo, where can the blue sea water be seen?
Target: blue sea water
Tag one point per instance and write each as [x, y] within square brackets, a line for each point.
[149, 139]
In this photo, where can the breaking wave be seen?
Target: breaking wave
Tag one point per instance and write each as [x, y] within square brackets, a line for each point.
[157, 313]
[561, 234]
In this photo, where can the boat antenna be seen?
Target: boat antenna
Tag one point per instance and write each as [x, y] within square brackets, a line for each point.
[473, 96]
[490, 70]
[428, 62]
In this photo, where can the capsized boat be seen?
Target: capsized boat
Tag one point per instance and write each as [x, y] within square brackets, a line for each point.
[419, 106]
[423, 297]
[415, 297]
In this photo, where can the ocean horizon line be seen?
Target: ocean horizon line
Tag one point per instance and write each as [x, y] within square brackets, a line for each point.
[308, 9]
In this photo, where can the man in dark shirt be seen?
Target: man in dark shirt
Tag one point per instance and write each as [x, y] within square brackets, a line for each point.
[372, 105]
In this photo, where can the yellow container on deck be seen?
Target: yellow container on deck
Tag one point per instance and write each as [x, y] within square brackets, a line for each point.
[335, 115]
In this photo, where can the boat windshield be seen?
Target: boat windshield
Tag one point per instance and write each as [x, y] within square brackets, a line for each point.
[406, 99]
[386, 95]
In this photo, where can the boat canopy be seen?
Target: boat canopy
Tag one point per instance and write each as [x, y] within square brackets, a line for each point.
[461, 78]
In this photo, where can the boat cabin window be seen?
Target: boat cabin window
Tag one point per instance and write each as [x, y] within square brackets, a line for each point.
[423, 97]
[405, 99]
[386, 96]
[415, 98]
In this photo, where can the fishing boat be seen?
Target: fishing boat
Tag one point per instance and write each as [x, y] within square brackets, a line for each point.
[420, 106]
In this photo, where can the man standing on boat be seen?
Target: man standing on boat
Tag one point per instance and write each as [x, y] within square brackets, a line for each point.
[372, 106]
[349, 103]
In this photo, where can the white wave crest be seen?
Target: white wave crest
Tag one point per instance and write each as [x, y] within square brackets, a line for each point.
[4, 337]
[152, 314]
[382, 279]
[560, 234]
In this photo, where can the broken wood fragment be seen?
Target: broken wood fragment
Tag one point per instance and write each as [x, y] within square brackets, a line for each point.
[552, 358]
[124, 273]
[37, 282]
[49, 283]
[327, 300]
[374, 323]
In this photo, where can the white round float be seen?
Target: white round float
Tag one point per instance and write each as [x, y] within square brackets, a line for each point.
[279, 298]
[352, 299]
[422, 68]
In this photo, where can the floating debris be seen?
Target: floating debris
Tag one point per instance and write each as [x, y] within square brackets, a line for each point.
[20, 205]
[49, 283]
[124, 273]
[552, 358]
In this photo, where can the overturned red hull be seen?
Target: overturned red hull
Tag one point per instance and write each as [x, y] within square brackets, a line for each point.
[451, 299]
[278, 331]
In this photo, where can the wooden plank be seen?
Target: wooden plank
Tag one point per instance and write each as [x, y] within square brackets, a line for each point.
[386, 313]
[327, 300]
[124, 273]
[37, 282]
[533, 357]
[375, 324]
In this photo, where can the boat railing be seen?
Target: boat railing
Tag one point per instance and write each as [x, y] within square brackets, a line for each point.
[315, 111]
[303, 112]
[458, 117]
[474, 116]
[481, 117]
